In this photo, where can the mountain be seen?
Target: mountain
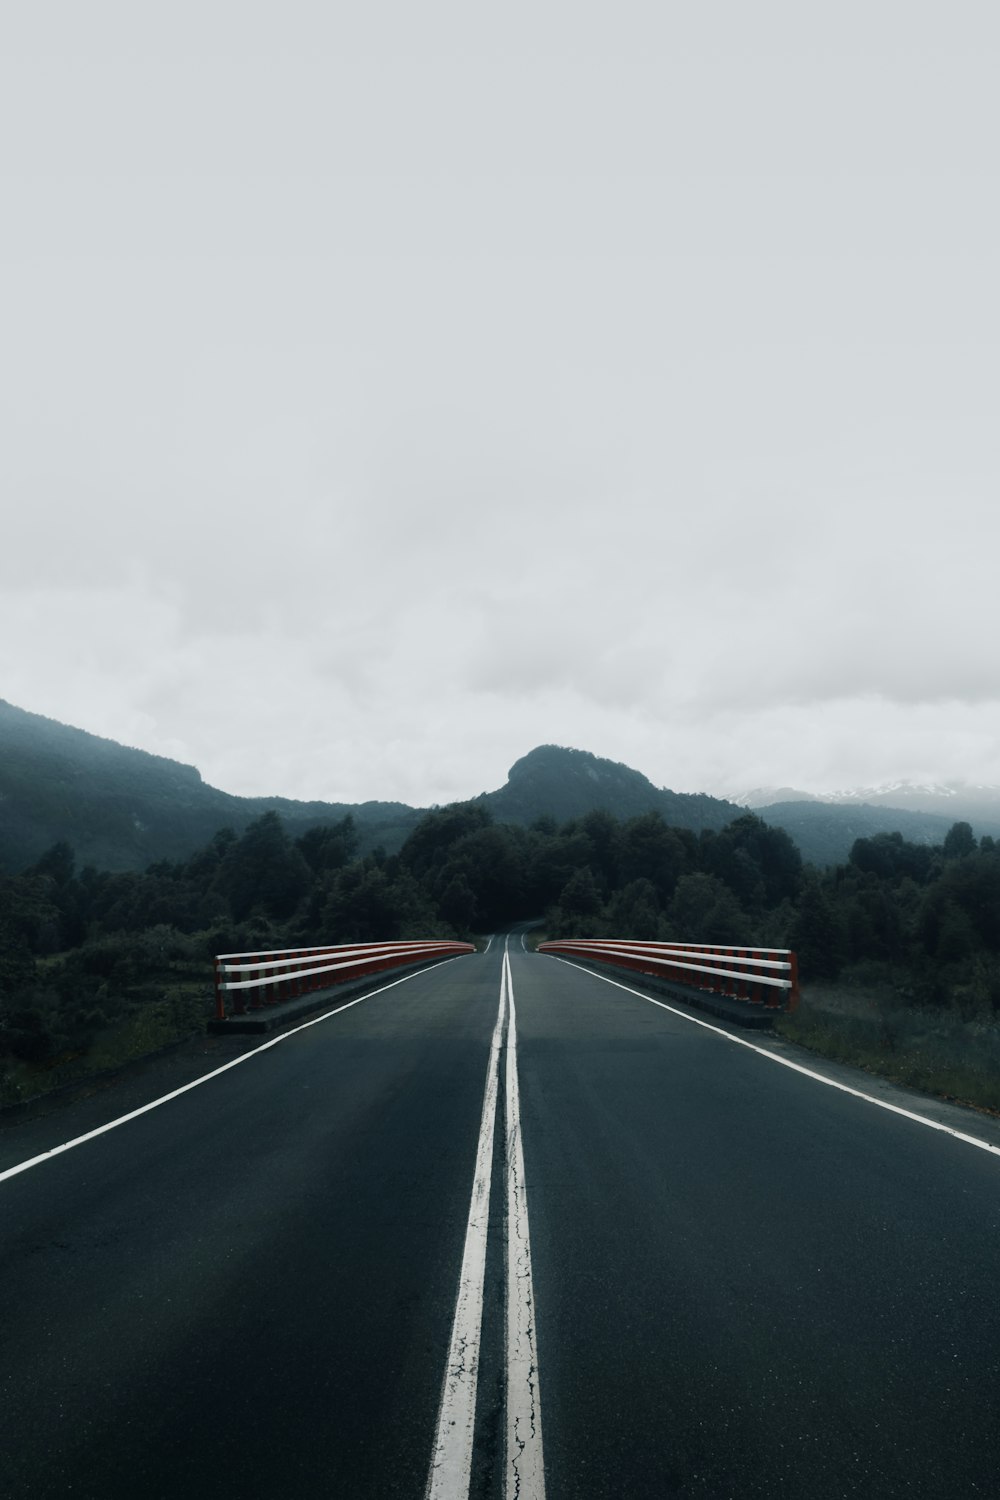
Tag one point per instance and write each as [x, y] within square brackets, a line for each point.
[767, 796]
[825, 831]
[552, 781]
[825, 825]
[955, 800]
[121, 809]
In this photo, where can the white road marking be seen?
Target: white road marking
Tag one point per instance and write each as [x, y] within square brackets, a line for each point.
[524, 1473]
[134, 1114]
[786, 1062]
[451, 1463]
[489, 945]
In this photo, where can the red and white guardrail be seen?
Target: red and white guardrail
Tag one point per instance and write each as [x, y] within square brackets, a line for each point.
[251, 981]
[761, 976]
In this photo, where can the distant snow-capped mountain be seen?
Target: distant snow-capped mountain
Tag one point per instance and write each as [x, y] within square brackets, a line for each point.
[767, 796]
[909, 790]
[950, 799]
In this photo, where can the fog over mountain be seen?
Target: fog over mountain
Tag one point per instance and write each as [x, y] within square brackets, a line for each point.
[956, 800]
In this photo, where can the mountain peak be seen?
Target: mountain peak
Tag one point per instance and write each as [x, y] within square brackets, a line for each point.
[766, 796]
[951, 799]
[562, 760]
[563, 783]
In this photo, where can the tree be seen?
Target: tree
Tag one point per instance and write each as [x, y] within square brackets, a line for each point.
[891, 857]
[604, 833]
[649, 850]
[28, 912]
[704, 910]
[360, 907]
[772, 852]
[330, 846]
[817, 935]
[59, 862]
[973, 885]
[956, 936]
[204, 863]
[429, 844]
[457, 904]
[489, 860]
[264, 869]
[366, 905]
[634, 912]
[555, 861]
[737, 867]
[959, 841]
[580, 897]
[17, 965]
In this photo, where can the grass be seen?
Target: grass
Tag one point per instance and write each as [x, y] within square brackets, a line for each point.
[937, 1051]
[180, 1011]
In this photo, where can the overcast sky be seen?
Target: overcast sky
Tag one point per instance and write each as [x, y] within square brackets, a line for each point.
[388, 388]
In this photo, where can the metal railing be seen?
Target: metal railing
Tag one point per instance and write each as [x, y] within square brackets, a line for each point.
[760, 976]
[252, 981]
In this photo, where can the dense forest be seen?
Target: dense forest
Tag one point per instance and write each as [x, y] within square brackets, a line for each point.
[84, 953]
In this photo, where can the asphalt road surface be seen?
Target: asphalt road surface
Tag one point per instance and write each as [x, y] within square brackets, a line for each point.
[503, 1228]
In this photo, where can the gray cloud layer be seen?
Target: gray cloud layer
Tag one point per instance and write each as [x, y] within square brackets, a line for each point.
[381, 399]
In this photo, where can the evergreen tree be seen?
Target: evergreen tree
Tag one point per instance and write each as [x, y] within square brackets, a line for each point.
[817, 935]
[264, 869]
[959, 841]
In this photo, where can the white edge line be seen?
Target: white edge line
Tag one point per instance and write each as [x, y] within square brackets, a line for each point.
[525, 1469]
[786, 1062]
[451, 1460]
[144, 1109]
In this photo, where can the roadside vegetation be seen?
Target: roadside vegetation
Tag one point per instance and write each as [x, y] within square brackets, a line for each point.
[936, 1049]
[899, 947]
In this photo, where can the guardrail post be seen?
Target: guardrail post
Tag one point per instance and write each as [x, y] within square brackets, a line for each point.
[793, 994]
[272, 991]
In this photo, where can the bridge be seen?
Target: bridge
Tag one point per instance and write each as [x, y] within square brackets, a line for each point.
[494, 1224]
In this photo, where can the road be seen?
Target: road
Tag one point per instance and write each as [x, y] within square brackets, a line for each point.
[707, 1274]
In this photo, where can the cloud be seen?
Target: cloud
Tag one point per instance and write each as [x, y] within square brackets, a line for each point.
[272, 711]
[349, 453]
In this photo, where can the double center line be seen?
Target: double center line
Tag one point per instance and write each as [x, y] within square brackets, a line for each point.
[451, 1465]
